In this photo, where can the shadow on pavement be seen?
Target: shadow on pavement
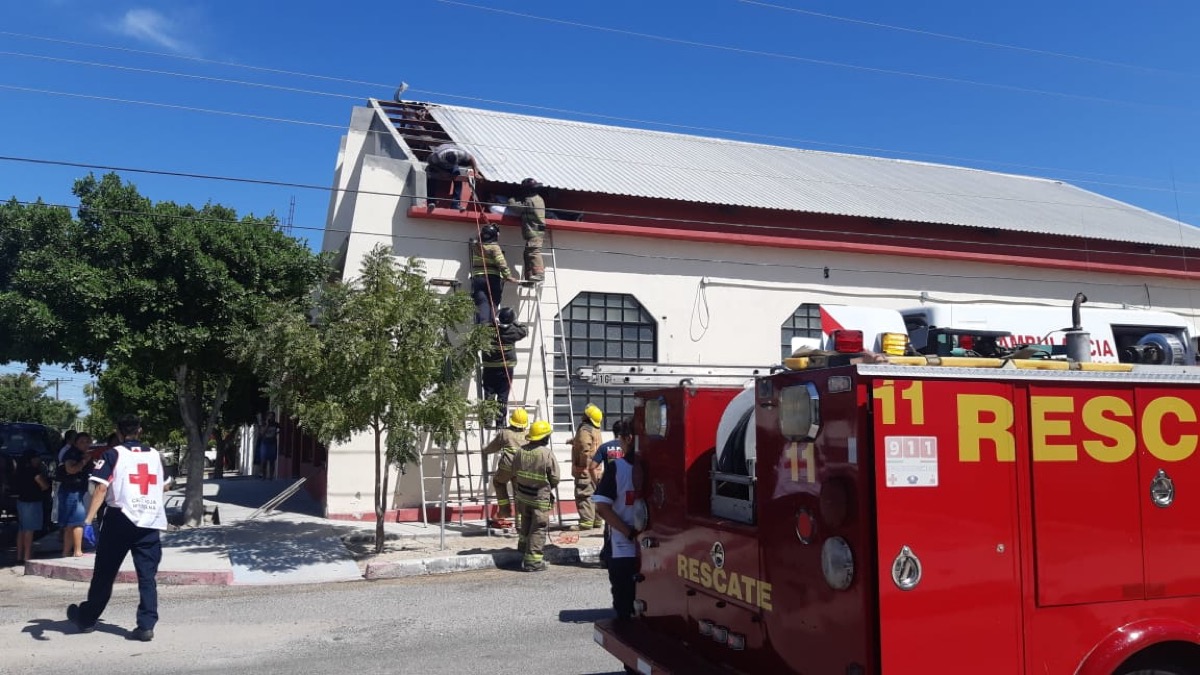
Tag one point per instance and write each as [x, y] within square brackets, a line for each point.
[584, 615]
[268, 545]
[38, 628]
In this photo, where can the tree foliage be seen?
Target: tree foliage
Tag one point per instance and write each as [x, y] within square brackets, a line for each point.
[22, 399]
[375, 356]
[158, 290]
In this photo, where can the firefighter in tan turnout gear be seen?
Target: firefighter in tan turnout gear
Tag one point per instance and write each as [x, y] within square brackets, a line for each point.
[507, 442]
[583, 446]
[535, 472]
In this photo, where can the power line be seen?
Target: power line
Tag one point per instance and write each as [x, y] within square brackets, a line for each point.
[616, 118]
[171, 73]
[171, 106]
[196, 59]
[967, 40]
[818, 62]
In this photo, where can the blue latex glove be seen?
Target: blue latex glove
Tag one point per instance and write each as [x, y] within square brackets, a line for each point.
[89, 535]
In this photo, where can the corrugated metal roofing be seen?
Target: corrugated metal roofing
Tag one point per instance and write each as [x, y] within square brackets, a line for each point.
[654, 164]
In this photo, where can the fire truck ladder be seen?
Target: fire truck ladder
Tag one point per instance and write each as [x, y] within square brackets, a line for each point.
[662, 375]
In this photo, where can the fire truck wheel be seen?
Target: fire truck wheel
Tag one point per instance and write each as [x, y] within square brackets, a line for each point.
[1167, 670]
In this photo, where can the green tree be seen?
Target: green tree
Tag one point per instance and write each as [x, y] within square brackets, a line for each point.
[22, 399]
[375, 356]
[156, 287]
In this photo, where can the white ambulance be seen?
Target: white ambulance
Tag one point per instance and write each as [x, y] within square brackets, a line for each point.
[1117, 335]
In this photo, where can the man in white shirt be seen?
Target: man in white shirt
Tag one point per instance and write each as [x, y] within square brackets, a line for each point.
[616, 503]
[129, 478]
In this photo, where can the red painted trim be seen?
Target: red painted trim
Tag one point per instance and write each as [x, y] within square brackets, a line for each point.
[1132, 638]
[729, 238]
[50, 570]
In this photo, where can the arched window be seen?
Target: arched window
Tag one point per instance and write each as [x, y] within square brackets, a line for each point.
[804, 322]
[602, 327]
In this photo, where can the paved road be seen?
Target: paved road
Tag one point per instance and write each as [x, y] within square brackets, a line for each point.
[491, 623]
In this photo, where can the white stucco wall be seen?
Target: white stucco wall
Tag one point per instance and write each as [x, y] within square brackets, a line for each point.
[713, 304]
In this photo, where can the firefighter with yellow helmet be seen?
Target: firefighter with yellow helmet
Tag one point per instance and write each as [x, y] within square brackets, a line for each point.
[583, 446]
[507, 442]
[535, 475]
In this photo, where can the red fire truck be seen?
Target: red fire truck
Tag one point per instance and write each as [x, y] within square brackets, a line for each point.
[855, 514]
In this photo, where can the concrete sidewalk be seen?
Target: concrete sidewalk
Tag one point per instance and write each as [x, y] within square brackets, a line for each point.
[292, 545]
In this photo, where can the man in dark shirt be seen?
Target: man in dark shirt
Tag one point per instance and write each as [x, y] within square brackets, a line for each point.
[31, 483]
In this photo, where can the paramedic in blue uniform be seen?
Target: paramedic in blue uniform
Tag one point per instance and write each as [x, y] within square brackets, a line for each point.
[129, 478]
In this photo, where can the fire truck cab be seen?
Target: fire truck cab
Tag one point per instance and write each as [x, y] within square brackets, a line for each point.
[855, 514]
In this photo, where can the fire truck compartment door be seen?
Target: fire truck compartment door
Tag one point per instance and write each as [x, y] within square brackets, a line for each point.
[945, 485]
[1168, 489]
[1086, 508]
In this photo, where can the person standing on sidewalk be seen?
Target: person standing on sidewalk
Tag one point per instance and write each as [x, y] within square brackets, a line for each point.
[617, 500]
[507, 442]
[583, 447]
[535, 472]
[72, 495]
[533, 227]
[31, 483]
[128, 478]
[268, 446]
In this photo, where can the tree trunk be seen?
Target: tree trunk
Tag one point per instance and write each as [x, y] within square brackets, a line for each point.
[379, 495]
[189, 388]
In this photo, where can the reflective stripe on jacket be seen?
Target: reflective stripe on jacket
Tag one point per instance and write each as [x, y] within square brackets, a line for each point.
[489, 259]
[535, 472]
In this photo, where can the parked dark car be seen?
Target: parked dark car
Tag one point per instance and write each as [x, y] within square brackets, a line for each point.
[17, 438]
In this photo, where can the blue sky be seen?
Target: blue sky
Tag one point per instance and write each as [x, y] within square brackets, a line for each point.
[1103, 94]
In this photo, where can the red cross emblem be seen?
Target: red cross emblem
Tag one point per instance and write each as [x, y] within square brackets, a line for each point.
[143, 478]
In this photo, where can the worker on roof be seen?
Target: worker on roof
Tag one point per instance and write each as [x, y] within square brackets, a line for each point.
[450, 161]
[489, 271]
[583, 447]
[507, 442]
[535, 472]
[533, 227]
[498, 361]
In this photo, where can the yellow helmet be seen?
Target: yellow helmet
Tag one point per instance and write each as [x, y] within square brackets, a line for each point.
[594, 415]
[539, 430]
[519, 419]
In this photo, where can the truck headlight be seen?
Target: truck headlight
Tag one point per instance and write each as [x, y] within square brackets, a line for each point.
[837, 563]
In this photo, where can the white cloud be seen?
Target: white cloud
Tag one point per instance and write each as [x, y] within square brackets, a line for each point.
[154, 27]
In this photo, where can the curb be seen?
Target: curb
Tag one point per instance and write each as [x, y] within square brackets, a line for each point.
[167, 577]
[401, 569]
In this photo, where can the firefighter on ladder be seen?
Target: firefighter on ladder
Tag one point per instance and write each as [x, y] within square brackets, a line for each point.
[533, 227]
[507, 442]
[535, 472]
[489, 271]
[499, 361]
[583, 447]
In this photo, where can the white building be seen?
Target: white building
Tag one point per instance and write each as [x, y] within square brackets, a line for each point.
[686, 250]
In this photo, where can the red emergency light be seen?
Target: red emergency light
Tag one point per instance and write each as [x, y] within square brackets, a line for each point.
[848, 341]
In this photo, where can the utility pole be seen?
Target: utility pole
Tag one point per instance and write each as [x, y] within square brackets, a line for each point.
[56, 381]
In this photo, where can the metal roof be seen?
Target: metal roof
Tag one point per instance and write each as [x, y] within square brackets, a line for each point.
[636, 162]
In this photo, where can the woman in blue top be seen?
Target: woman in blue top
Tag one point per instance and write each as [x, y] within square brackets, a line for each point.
[73, 494]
